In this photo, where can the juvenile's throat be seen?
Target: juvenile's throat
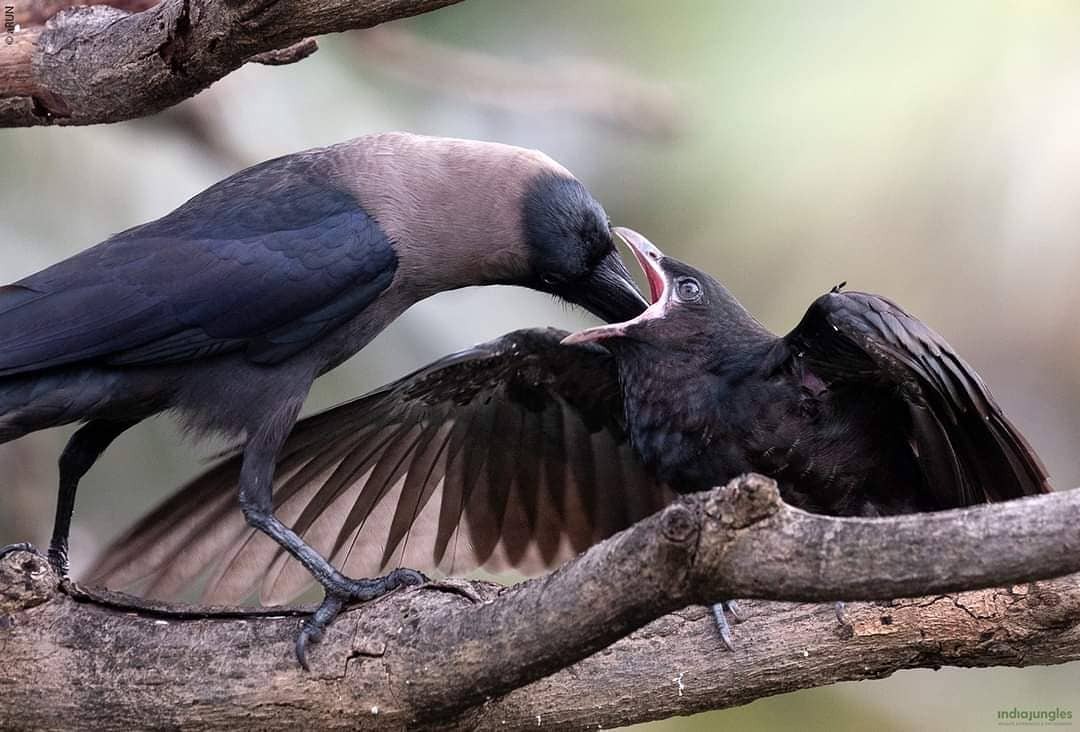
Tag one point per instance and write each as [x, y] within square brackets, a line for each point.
[669, 404]
[682, 411]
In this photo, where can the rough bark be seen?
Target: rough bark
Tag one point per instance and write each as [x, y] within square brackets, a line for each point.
[96, 64]
[36, 12]
[466, 655]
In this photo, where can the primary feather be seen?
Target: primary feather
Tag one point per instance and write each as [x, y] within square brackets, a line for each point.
[495, 457]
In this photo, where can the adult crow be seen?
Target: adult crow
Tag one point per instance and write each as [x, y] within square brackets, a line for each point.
[225, 310]
[524, 450]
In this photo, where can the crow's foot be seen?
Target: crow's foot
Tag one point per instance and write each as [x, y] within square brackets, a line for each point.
[59, 560]
[22, 546]
[361, 590]
[720, 611]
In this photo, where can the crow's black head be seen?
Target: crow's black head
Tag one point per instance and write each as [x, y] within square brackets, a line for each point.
[691, 312]
[571, 250]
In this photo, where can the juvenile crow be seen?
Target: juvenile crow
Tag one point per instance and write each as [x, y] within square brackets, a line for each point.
[522, 451]
[860, 410]
[225, 310]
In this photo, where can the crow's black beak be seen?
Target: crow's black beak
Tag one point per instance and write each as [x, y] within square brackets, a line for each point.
[650, 258]
[608, 292]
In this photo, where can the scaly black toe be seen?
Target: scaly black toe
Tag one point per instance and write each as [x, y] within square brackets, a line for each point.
[734, 611]
[719, 611]
[359, 590]
[22, 546]
[59, 561]
[311, 630]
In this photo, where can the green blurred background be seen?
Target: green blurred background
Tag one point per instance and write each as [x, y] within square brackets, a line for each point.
[926, 151]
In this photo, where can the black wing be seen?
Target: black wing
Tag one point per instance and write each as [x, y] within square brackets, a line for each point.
[967, 449]
[267, 260]
[509, 454]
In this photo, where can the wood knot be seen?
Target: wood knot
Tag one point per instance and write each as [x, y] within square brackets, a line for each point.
[677, 524]
[744, 501]
[26, 580]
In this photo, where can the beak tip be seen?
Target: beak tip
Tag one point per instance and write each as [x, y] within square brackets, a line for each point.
[597, 333]
[576, 339]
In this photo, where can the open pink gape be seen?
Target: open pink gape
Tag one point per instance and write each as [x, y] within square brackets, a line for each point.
[649, 258]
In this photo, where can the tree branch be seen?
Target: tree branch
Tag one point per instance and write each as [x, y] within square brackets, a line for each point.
[436, 656]
[97, 64]
[583, 87]
[36, 12]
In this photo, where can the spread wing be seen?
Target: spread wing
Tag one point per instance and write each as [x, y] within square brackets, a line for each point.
[267, 261]
[508, 454]
[966, 448]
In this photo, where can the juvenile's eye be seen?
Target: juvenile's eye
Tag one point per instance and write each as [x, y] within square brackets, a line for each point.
[688, 289]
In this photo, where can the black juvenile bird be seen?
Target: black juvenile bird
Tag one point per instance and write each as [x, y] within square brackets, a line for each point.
[507, 454]
[225, 310]
[861, 410]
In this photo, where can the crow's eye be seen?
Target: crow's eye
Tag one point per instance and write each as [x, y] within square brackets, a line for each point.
[688, 289]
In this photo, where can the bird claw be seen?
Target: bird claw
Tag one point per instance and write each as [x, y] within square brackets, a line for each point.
[314, 626]
[59, 561]
[22, 546]
[363, 590]
[719, 611]
[733, 610]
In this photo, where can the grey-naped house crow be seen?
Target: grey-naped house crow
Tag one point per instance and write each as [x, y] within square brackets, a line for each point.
[225, 310]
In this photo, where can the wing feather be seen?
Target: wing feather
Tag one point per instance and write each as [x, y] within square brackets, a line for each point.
[268, 261]
[965, 446]
[508, 455]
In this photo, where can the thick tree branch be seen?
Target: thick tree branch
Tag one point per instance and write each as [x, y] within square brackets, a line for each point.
[36, 12]
[436, 656]
[102, 64]
[676, 665]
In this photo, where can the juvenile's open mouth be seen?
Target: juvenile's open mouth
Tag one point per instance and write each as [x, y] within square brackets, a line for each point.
[648, 258]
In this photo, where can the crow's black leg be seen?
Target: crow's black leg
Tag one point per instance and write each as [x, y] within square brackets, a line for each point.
[82, 451]
[256, 500]
[721, 621]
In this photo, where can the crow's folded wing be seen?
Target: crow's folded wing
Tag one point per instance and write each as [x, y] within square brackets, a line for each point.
[968, 450]
[511, 454]
[267, 261]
